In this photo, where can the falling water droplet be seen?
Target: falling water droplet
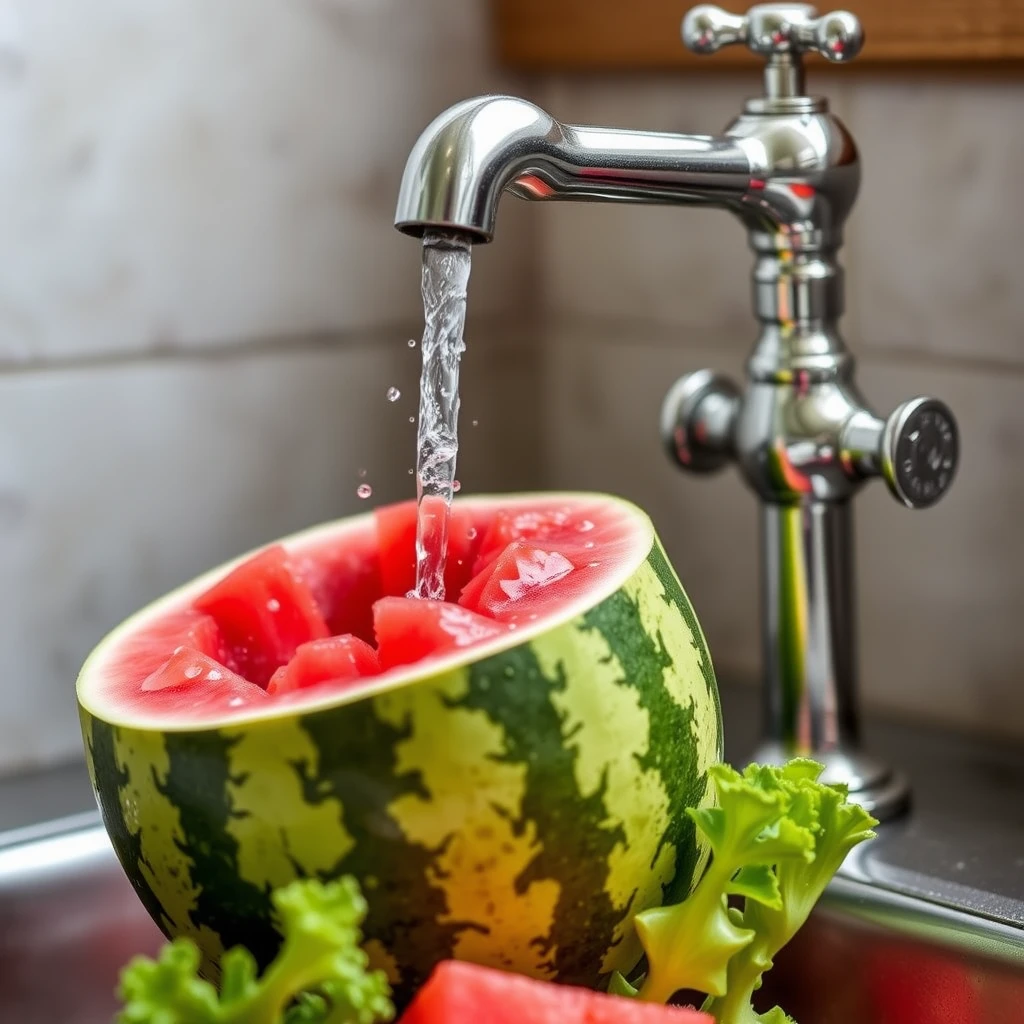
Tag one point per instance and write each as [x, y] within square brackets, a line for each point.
[410, 471]
[476, 423]
[362, 474]
[456, 487]
[364, 491]
[393, 394]
[412, 419]
[411, 343]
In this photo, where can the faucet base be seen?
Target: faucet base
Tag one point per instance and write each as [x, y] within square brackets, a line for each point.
[879, 789]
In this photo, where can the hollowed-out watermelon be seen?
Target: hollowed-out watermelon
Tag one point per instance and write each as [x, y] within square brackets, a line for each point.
[505, 772]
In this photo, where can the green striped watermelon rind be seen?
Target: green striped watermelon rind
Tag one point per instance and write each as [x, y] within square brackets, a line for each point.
[516, 809]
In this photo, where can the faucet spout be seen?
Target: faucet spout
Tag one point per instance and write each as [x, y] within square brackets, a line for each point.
[479, 148]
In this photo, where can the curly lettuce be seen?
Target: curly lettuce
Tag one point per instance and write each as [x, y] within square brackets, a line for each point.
[777, 837]
[320, 974]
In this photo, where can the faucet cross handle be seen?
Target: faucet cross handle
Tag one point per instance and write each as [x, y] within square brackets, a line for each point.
[780, 32]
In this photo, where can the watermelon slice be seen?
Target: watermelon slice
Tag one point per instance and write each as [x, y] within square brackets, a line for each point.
[464, 993]
[504, 780]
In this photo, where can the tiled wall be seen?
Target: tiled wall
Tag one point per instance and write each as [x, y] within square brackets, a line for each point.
[203, 302]
[935, 297]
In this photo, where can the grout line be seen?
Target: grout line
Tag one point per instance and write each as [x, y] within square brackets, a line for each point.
[227, 351]
[643, 333]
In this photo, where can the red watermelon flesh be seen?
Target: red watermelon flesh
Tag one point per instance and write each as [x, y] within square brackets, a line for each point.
[192, 680]
[517, 584]
[560, 526]
[337, 659]
[410, 629]
[264, 611]
[146, 652]
[299, 620]
[396, 533]
[464, 993]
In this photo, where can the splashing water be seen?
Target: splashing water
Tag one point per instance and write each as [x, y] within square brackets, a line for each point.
[446, 265]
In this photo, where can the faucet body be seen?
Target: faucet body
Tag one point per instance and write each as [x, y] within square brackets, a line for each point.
[800, 432]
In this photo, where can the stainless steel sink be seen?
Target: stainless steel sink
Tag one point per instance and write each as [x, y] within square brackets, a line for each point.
[924, 925]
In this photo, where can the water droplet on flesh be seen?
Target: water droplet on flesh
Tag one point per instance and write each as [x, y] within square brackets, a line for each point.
[214, 676]
[192, 671]
[273, 605]
[364, 491]
[471, 533]
[235, 702]
[393, 394]
[585, 526]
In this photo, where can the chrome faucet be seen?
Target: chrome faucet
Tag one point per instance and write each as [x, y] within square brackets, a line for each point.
[803, 437]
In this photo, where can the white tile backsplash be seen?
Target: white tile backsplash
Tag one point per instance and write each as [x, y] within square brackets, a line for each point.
[179, 172]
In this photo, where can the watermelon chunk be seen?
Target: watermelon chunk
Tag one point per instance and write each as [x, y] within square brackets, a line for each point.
[338, 659]
[560, 526]
[344, 581]
[188, 628]
[519, 582]
[464, 993]
[410, 629]
[264, 611]
[195, 680]
[396, 537]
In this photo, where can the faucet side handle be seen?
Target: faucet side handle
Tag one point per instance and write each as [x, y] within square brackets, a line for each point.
[781, 32]
[698, 421]
[915, 451]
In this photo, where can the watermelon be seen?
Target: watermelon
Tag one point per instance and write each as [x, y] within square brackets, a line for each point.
[506, 782]
[461, 993]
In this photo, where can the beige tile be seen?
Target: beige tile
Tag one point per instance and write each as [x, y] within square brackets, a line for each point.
[192, 172]
[118, 483]
[603, 394]
[941, 592]
[934, 251]
[686, 267]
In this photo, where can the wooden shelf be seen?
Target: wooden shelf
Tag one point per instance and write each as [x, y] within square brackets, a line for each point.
[644, 34]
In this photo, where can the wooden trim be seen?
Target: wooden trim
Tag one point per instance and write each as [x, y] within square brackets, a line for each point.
[644, 34]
